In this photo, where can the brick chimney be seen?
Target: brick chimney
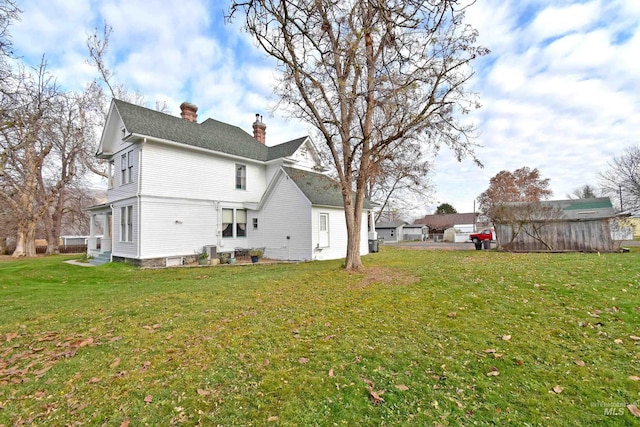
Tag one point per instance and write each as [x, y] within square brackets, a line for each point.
[189, 111]
[259, 129]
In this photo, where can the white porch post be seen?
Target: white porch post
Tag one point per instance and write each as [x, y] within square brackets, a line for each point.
[105, 245]
[92, 240]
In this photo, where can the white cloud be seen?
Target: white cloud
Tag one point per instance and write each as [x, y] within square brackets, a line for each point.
[560, 90]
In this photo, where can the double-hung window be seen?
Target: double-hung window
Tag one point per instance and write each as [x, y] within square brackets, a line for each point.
[126, 224]
[234, 223]
[241, 177]
[130, 166]
[126, 167]
[123, 169]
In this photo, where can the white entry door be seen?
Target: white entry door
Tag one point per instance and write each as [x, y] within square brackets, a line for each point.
[323, 229]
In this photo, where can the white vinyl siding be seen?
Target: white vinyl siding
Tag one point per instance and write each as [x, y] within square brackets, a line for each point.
[173, 227]
[288, 215]
[187, 174]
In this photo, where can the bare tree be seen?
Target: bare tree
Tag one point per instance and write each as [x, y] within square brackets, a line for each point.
[399, 182]
[371, 76]
[71, 132]
[622, 178]
[9, 13]
[24, 149]
[585, 192]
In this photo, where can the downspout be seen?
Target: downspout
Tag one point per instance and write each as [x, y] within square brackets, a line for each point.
[218, 224]
[112, 243]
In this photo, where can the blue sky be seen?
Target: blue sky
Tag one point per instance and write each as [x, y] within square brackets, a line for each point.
[560, 90]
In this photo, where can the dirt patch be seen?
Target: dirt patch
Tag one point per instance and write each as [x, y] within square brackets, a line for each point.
[387, 276]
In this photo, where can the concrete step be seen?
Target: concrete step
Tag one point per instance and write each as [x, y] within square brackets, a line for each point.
[100, 259]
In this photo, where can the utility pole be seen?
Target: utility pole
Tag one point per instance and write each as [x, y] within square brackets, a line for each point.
[620, 192]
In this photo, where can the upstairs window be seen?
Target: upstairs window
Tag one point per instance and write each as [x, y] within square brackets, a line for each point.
[241, 177]
[123, 169]
[126, 168]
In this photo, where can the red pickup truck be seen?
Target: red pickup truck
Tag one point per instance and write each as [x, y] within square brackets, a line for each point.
[482, 235]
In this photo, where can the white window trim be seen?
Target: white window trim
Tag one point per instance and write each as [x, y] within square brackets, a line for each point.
[234, 224]
[242, 177]
[327, 231]
[126, 224]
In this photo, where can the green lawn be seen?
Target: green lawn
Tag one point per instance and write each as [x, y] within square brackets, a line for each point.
[423, 338]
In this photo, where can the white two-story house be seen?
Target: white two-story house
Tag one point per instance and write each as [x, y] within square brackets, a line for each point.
[177, 186]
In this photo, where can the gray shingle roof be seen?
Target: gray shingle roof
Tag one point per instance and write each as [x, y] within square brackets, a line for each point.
[577, 209]
[285, 149]
[210, 134]
[318, 188]
[392, 224]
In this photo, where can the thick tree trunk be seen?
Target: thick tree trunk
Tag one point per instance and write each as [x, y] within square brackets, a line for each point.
[53, 224]
[26, 240]
[353, 261]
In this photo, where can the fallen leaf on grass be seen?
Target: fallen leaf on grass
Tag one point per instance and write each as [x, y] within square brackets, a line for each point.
[452, 314]
[617, 341]
[272, 419]
[82, 343]
[145, 365]
[402, 387]
[579, 362]
[10, 336]
[557, 389]
[490, 350]
[125, 423]
[634, 378]
[42, 371]
[115, 362]
[94, 380]
[375, 396]
[493, 373]
[506, 337]
[634, 410]
[148, 399]
[331, 372]
[635, 338]
[202, 392]
[303, 360]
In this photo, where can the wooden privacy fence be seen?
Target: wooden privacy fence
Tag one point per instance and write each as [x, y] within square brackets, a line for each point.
[582, 236]
[64, 249]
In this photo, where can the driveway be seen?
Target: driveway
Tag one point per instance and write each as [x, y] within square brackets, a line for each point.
[448, 246]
